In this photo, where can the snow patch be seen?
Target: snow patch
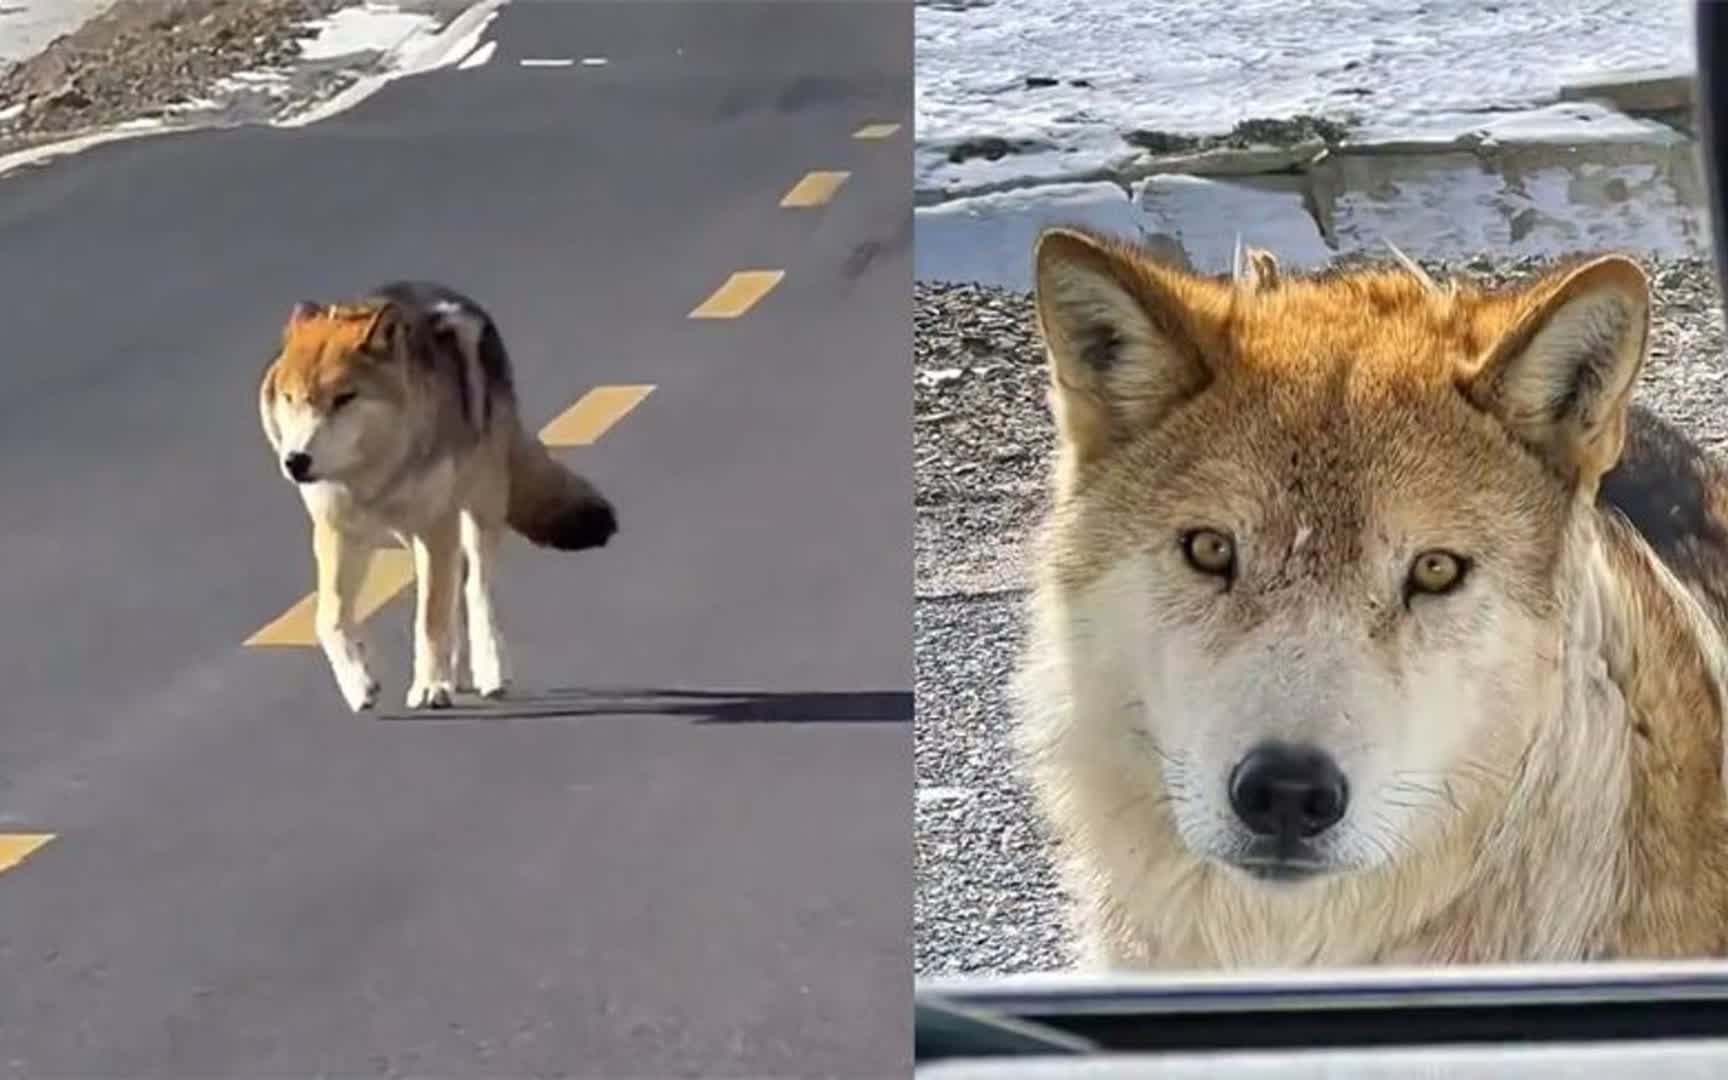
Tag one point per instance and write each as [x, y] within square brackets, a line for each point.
[478, 57]
[413, 56]
[28, 26]
[370, 27]
[192, 105]
[271, 83]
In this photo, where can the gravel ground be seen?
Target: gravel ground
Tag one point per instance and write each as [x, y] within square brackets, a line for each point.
[986, 900]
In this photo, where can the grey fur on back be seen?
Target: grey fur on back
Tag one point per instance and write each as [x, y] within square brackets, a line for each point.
[455, 333]
[1675, 494]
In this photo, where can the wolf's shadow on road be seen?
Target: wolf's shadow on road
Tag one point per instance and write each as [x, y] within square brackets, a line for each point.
[700, 706]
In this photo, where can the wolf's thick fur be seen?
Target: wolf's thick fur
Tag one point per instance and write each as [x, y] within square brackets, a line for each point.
[396, 416]
[1415, 532]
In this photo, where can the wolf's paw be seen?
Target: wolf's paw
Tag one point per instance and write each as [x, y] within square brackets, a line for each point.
[492, 688]
[430, 695]
[359, 689]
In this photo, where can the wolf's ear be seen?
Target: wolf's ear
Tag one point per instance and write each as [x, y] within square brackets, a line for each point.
[387, 331]
[299, 313]
[267, 399]
[1253, 269]
[1561, 377]
[1121, 353]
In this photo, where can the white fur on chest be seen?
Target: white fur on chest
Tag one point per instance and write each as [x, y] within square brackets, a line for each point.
[414, 502]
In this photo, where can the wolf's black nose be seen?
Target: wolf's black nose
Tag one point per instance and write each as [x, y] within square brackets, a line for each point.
[1287, 791]
[298, 465]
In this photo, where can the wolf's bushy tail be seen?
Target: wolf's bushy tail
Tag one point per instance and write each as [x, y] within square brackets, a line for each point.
[553, 506]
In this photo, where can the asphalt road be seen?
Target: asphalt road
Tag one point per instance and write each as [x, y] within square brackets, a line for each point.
[687, 848]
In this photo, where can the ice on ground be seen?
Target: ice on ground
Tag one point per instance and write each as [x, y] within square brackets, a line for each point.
[1575, 122]
[1190, 219]
[1452, 207]
[1468, 126]
[368, 27]
[28, 26]
[1203, 218]
[988, 239]
[1446, 204]
[1012, 90]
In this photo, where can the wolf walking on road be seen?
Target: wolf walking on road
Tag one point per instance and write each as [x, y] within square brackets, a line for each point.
[396, 417]
[1372, 621]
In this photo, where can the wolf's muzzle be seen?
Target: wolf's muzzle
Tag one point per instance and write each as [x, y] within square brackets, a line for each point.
[1288, 793]
[298, 466]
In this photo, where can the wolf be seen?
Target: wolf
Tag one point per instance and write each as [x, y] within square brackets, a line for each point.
[396, 418]
[1373, 621]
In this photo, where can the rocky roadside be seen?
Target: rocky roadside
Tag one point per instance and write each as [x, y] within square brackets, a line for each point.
[152, 59]
[986, 901]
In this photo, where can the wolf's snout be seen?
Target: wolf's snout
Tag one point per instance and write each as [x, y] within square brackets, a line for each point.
[298, 466]
[1288, 792]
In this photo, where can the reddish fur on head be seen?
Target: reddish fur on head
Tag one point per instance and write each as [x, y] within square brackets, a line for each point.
[326, 347]
[1132, 339]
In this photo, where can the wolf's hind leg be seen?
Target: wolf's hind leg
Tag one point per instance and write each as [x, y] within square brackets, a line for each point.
[437, 584]
[459, 641]
[486, 656]
[342, 563]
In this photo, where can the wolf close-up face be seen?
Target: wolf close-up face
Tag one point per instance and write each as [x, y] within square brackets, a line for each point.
[331, 399]
[1310, 584]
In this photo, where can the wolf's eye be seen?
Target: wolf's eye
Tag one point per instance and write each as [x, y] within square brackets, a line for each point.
[1210, 552]
[1436, 573]
[342, 399]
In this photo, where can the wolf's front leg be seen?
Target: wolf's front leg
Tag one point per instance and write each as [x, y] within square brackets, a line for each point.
[458, 659]
[438, 582]
[341, 570]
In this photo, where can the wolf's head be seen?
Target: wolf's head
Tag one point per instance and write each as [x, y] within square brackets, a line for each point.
[331, 399]
[1308, 534]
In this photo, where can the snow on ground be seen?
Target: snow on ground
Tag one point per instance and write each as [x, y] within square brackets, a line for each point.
[350, 34]
[411, 48]
[1064, 81]
[478, 58]
[370, 27]
[1456, 140]
[27, 26]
